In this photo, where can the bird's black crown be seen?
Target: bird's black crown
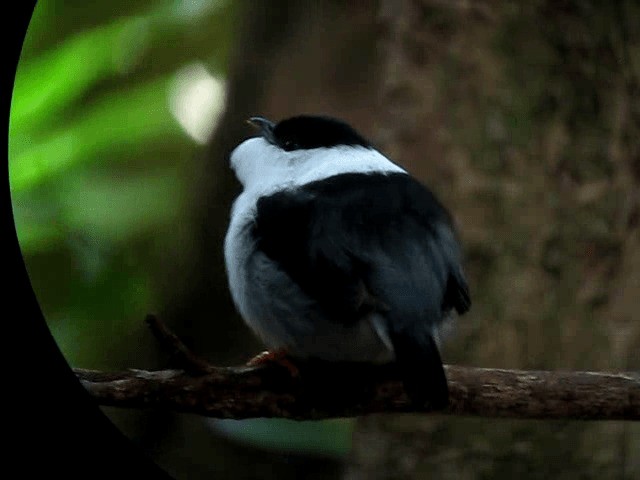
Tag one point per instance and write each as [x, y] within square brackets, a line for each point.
[304, 132]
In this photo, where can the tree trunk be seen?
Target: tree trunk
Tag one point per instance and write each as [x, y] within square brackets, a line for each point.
[524, 117]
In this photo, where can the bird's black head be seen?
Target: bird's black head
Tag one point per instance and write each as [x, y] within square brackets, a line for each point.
[304, 132]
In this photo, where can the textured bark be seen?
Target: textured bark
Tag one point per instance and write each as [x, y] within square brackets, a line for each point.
[325, 390]
[524, 117]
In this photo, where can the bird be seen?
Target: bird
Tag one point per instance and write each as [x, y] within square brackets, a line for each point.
[335, 252]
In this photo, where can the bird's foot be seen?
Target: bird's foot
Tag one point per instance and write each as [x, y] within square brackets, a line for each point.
[279, 357]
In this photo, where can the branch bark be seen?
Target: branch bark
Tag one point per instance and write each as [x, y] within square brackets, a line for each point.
[327, 390]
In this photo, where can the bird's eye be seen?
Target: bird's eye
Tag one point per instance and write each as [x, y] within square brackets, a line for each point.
[289, 145]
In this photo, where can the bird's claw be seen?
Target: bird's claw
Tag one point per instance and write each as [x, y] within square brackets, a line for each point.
[278, 357]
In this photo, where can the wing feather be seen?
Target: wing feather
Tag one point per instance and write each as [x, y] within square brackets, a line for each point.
[357, 243]
[338, 237]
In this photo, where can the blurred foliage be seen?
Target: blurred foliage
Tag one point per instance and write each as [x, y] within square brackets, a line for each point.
[98, 164]
[97, 159]
[328, 438]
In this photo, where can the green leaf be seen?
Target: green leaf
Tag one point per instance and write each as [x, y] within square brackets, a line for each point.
[100, 314]
[117, 209]
[117, 123]
[36, 236]
[53, 80]
[331, 438]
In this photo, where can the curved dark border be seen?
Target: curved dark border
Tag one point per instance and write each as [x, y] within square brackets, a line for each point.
[55, 427]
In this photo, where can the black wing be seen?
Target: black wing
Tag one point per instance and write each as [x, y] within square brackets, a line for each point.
[334, 237]
[362, 242]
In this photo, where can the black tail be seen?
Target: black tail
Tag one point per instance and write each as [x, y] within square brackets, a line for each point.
[421, 368]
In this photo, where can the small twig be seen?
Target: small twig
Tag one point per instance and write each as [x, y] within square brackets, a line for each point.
[181, 354]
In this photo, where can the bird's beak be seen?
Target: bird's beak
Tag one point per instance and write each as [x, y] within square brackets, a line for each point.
[264, 126]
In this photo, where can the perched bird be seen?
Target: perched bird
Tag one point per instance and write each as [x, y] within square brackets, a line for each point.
[335, 252]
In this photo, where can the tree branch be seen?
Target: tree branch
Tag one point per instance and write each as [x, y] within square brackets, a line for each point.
[326, 390]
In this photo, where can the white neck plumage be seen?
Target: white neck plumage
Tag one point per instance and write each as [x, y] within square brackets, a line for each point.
[262, 167]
